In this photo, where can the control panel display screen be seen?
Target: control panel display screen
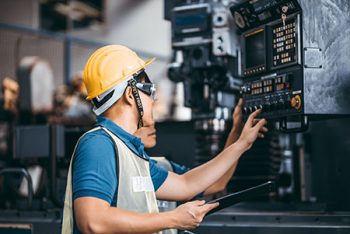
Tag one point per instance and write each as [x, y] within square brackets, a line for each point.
[255, 52]
[191, 20]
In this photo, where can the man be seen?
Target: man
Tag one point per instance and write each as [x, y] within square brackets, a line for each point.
[114, 184]
[8, 114]
[147, 134]
[8, 103]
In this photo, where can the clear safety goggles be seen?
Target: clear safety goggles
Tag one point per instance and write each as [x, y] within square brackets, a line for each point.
[144, 84]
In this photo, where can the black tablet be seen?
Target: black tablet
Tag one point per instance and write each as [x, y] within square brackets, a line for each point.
[234, 198]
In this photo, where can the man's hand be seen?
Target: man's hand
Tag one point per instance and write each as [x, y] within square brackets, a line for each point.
[148, 135]
[116, 220]
[252, 129]
[191, 214]
[238, 124]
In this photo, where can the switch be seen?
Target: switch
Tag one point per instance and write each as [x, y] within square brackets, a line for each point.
[245, 110]
[281, 104]
[250, 109]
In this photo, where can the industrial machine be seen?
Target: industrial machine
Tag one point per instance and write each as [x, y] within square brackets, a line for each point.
[205, 60]
[288, 62]
[36, 146]
[290, 59]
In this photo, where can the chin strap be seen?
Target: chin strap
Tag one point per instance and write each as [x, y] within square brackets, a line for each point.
[135, 93]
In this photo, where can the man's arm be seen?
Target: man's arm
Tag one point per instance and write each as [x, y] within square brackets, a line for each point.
[197, 180]
[94, 215]
[148, 137]
[94, 183]
[220, 185]
[233, 136]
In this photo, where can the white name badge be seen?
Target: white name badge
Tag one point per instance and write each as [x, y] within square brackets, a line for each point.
[142, 184]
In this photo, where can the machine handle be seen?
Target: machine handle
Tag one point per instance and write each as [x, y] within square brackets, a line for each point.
[304, 125]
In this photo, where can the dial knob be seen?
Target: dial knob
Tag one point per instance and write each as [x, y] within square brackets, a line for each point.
[245, 110]
[250, 109]
[287, 102]
[281, 104]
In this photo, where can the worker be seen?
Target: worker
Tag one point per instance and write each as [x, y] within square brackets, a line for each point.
[8, 114]
[147, 134]
[9, 101]
[112, 185]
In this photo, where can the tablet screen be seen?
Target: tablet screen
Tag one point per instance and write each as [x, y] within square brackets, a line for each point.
[234, 198]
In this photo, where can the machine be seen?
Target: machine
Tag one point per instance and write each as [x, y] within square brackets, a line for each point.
[289, 58]
[205, 60]
[292, 67]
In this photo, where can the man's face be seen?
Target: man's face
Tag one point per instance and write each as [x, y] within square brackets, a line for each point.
[10, 93]
[148, 136]
[147, 104]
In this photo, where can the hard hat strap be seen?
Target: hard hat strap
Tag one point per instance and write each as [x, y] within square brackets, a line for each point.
[135, 93]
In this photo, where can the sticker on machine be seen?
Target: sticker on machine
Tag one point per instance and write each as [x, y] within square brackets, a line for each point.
[142, 184]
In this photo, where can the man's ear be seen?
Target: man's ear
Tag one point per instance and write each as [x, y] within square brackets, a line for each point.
[128, 98]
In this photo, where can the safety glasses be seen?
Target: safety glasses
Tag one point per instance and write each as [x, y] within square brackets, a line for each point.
[147, 88]
[144, 84]
[142, 77]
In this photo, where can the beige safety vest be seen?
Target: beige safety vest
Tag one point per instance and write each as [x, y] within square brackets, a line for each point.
[164, 206]
[135, 187]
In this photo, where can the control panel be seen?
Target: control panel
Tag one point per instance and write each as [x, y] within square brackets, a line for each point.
[284, 43]
[273, 94]
[270, 57]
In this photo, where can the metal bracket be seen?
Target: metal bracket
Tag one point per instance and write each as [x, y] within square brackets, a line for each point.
[302, 127]
[313, 57]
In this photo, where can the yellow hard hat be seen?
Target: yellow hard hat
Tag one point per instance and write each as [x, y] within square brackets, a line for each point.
[109, 66]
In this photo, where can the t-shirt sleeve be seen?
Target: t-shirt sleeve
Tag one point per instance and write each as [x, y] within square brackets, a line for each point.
[158, 174]
[94, 167]
[179, 169]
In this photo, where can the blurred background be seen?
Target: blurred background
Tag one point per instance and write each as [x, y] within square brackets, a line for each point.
[290, 58]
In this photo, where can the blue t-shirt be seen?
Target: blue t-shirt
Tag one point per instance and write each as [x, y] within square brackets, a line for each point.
[94, 163]
[177, 168]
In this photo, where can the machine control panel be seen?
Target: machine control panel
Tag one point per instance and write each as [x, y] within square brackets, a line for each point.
[274, 95]
[270, 57]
